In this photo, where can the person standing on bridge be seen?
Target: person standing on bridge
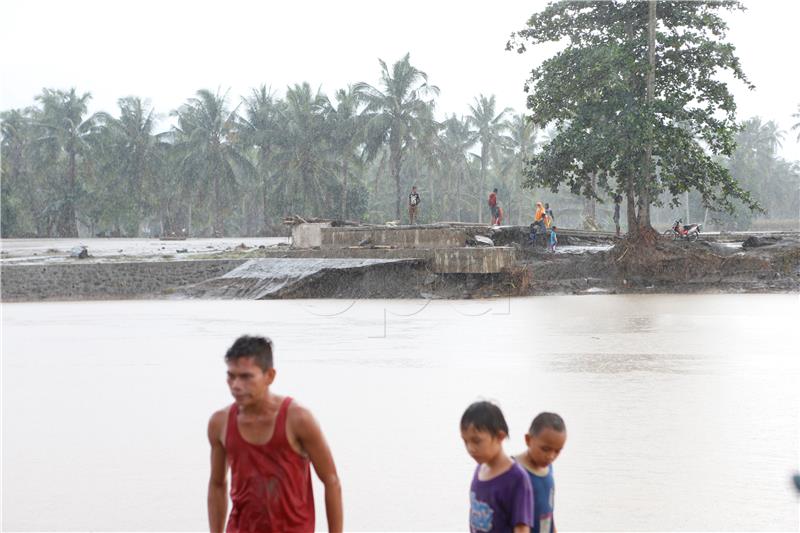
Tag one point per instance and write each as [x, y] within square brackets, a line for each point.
[413, 205]
[549, 218]
[269, 443]
[617, 201]
[494, 207]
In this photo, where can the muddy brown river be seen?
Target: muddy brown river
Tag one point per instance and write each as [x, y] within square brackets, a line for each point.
[683, 412]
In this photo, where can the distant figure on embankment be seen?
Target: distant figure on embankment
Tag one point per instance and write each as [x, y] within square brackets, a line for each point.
[617, 201]
[413, 205]
[269, 443]
[495, 209]
[538, 225]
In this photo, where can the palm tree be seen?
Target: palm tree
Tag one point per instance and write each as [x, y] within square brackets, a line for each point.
[66, 132]
[347, 133]
[304, 160]
[398, 113]
[15, 167]
[522, 136]
[491, 129]
[136, 152]
[796, 125]
[454, 141]
[259, 128]
[207, 138]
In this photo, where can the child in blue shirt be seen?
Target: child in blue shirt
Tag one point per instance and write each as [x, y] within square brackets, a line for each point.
[545, 439]
[501, 498]
[553, 239]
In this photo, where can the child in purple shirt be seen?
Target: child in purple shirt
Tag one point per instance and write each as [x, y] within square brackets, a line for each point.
[501, 497]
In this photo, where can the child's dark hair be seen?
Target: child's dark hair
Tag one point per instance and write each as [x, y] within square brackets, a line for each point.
[484, 416]
[259, 348]
[547, 420]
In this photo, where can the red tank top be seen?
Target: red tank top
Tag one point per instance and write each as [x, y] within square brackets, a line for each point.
[270, 483]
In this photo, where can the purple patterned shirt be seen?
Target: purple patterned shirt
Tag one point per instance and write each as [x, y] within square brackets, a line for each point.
[499, 504]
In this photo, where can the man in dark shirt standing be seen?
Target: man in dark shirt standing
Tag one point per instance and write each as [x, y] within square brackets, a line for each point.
[413, 202]
[617, 200]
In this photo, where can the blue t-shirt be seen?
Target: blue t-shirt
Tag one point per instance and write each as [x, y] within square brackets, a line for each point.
[499, 504]
[553, 238]
[544, 488]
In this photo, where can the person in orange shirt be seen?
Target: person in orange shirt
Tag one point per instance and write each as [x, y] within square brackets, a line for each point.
[538, 222]
[540, 213]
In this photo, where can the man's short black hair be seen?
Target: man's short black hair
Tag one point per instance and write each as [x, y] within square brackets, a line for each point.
[547, 420]
[495, 189]
[259, 348]
[484, 416]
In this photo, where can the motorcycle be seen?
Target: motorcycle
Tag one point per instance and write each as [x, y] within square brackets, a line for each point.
[690, 232]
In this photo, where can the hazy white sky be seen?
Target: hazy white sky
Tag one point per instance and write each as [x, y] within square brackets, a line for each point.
[166, 50]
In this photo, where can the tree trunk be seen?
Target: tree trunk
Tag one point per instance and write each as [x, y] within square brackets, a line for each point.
[484, 157]
[264, 189]
[218, 219]
[643, 218]
[394, 163]
[688, 219]
[345, 171]
[630, 204]
[67, 225]
[459, 179]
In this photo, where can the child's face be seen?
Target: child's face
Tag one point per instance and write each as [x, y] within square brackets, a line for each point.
[482, 445]
[544, 448]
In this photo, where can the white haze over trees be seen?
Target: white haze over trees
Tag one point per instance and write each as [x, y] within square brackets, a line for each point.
[166, 51]
[298, 92]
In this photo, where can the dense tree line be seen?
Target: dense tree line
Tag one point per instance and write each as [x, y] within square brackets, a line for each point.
[237, 166]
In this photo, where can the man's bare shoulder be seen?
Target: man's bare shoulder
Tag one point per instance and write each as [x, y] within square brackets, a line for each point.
[217, 424]
[300, 420]
[298, 412]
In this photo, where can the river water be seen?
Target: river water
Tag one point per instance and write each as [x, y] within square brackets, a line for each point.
[683, 412]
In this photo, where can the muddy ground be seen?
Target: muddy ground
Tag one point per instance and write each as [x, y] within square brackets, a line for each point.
[770, 264]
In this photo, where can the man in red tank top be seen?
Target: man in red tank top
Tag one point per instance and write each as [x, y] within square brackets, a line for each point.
[269, 443]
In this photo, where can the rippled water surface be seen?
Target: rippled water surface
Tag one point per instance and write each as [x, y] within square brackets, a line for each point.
[683, 411]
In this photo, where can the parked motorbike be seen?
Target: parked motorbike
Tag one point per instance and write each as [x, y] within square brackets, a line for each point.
[690, 232]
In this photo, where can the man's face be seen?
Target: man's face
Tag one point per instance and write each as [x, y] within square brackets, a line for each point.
[247, 382]
[544, 448]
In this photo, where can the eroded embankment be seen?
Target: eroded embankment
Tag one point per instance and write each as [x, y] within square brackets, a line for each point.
[760, 265]
[258, 278]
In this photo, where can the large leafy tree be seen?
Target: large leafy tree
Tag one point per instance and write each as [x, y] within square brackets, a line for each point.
[640, 123]
[491, 132]
[206, 136]
[398, 114]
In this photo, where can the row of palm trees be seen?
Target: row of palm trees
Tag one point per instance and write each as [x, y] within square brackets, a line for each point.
[238, 168]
